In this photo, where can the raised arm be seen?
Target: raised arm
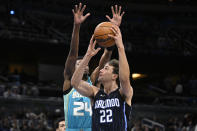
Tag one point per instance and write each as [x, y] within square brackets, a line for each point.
[124, 72]
[73, 53]
[116, 19]
[83, 87]
[104, 59]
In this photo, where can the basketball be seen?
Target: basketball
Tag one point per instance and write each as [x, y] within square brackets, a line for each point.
[101, 33]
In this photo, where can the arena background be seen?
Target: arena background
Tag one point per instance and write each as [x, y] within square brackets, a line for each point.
[160, 37]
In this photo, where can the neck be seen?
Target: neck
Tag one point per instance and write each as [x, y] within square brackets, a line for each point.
[110, 87]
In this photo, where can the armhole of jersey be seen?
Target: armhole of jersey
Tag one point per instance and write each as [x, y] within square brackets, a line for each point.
[121, 95]
[93, 98]
[66, 104]
[66, 100]
[67, 91]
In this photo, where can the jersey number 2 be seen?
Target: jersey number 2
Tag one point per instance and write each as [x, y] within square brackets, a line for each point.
[106, 116]
[81, 107]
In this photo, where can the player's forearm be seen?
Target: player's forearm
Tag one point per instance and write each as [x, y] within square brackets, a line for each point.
[73, 53]
[79, 72]
[124, 71]
[75, 40]
[104, 59]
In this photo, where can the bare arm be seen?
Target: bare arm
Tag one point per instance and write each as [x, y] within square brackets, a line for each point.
[81, 86]
[124, 72]
[104, 59]
[73, 53]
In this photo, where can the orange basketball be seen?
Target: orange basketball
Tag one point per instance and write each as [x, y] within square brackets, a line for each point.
[101, 33]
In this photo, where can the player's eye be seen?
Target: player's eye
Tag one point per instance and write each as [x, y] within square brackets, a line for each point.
[62, 125]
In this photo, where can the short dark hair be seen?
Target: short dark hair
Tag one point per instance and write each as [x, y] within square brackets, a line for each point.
[57, 122]
[115, 65]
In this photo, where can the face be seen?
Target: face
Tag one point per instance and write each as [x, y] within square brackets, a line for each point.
[106, 74]
[77, 65]
[61, 126]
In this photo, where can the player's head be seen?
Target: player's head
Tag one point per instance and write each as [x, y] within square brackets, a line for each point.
[109, 72]
[79, 59]
[60, 124]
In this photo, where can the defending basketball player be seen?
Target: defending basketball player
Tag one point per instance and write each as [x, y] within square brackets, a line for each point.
[77, 108]
[72, 99]
[108, 105]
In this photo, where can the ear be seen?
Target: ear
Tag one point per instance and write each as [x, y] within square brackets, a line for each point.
[114, 76]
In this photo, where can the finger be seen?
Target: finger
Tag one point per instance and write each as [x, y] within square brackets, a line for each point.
[93, 37]
[112, 10]
[97, 50]
[94, 44]
[79, 6]
[108, 17]
[117, 29]
[88, 14]
[116, 10]
[119, 11]
[91, 40]
[114, 29]
[82, 10]
[111, 36]
[73, 11]
[115, 26]
[122, 14]
[76, 8]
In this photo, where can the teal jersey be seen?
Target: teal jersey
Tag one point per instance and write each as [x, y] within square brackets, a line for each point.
[78, 111]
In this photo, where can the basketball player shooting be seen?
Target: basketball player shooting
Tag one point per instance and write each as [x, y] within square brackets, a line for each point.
[108, 105]
[76, 106]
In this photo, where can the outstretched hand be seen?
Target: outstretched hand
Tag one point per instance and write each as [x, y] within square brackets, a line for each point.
[78, 14]
[117, 15]
[91, 48]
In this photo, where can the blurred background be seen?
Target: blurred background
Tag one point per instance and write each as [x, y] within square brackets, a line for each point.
[160, 38]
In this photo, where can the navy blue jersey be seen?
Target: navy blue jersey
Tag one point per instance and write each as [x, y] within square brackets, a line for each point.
[109, 112]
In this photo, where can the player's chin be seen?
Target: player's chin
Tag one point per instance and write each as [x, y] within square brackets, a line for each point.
[99, 79]
[86, 70]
